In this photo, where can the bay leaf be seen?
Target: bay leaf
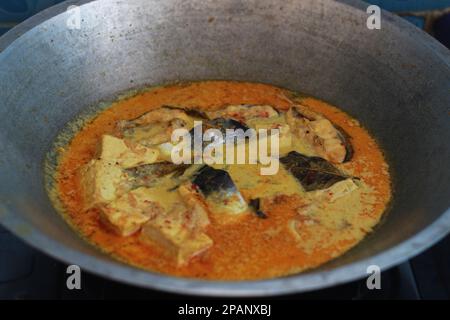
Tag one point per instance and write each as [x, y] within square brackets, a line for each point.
[313, 173]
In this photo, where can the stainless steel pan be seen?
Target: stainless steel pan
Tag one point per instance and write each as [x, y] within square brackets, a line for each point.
[396, 81]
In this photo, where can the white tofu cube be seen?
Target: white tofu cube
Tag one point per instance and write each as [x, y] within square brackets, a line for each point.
[129, 212]
[172, 233]
[102, 182]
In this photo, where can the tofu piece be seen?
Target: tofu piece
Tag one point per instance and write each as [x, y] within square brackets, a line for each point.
[193, 200]
[172, 232]
[129, 212]
[125, 153]
[102, 182]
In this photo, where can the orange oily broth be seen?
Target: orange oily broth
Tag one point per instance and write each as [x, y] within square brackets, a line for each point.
[253, 248]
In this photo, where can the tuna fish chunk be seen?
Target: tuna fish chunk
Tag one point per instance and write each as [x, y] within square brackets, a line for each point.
[219, 190]
[329, 141]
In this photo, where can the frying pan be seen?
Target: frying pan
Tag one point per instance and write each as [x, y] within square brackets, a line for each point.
[395, 80]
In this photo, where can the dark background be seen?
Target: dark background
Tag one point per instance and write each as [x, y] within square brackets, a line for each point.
[28, 274]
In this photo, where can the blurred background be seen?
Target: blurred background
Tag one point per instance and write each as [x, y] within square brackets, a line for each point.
[26, 273]
[430, 15]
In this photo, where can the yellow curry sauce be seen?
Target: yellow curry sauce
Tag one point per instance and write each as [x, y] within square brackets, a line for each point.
[252, 248]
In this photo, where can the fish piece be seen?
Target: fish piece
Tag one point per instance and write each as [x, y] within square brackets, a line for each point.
[244, 112]
[163, 114]
[154, 127]
[219, 190]
[173, 233]
[155, 133]
[149, 174]
[192, 112]
[128, 213]
[221, 124]
[346, 140]
[102, 182]
[313, 173]
[195, 113]
[279, 122]
[329, 141]
[125, 153]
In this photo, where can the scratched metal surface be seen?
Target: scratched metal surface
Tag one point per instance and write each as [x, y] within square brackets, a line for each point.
[14, 12]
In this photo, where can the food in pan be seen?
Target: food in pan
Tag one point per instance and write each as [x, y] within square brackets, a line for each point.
[119, 186]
